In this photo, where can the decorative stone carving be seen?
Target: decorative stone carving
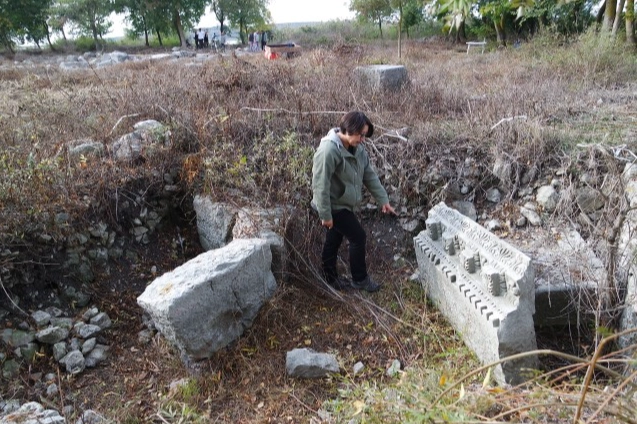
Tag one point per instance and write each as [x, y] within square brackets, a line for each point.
[484, 287]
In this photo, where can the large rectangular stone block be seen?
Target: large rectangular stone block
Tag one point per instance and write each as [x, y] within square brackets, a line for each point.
[483, 286]
[383, 77]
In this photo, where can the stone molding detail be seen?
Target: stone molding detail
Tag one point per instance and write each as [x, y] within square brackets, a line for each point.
[484, 286]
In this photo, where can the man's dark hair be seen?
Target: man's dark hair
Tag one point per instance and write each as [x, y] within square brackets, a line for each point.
[354, 122]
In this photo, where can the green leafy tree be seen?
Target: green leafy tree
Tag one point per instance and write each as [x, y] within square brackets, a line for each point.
[23, 19]
[90, 17]
[563, 17]
[220, 9]
[145, 16]
[183, 13]
[372, 11]
[412, 14]
[247, 13]
[456, 13]
[59, 17]
[497, 11]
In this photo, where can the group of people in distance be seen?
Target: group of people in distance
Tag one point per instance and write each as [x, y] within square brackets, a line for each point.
[257, 40]
[202, 41]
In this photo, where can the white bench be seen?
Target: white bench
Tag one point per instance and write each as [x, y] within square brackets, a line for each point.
[482, 44]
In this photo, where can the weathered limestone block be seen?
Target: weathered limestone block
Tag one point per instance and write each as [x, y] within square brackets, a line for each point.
[205, 304]
[627, 262]
[306, 363]
[219, 223]
[483, 286]
[383, 77]
[267, 224]
[568, 276]
[214, 222]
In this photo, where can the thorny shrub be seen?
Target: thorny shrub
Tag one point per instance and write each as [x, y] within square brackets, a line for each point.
[248, 124]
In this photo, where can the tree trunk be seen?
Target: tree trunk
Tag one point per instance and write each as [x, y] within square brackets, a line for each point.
[400, 31]
[618, 17]
[48, 37]
[500, 31]
[630, 20]
[179, 27]
[95, 35]
[609, 15]
[161, 43]
[242, 30]
[145, 31]
[380, 27]
[462, 36]
[600, 13]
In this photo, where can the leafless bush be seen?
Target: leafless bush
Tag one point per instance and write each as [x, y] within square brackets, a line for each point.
[248, 124]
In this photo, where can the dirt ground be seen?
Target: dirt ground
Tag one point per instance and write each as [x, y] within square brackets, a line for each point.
[245, 382]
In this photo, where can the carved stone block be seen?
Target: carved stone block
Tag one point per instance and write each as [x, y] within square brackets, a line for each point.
[484, 287]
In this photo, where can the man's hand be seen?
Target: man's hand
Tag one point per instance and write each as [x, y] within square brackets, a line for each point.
[327, 224]
[388, 209]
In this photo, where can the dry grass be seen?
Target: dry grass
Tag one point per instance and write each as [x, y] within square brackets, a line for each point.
[244, 128]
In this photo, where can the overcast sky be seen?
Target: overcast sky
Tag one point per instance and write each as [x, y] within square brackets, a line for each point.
[284, 11]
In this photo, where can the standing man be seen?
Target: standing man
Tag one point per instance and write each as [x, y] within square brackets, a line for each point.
[340, 169]
[222, 41]
[257, 40]
[264, 39]
[200, 36]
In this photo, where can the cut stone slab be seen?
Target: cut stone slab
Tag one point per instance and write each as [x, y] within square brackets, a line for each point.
[214, 222]
[383, 77]
[209, 301]
[267, 224]
[306, 363]
[219, 223]
[568, 275]
[483, 286]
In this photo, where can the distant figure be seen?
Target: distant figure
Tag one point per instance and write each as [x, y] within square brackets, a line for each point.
[206, 42]
[264, 39]
[196, 37]
[200, 36]
[251, 40]
[222, 41]
[257, 40]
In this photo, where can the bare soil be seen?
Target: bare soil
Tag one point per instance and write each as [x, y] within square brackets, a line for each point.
[245, 382]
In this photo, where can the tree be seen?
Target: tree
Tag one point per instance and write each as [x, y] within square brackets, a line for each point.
[372, 11]
[89, 16]
[630, 19]
[247, 13]
[618, 17]
[220, 9]
[498, 11]
[21, 19]
[59, 16]
[456, 13]
[176, 14]
[412, 14]
[145, 16]
[609, 15]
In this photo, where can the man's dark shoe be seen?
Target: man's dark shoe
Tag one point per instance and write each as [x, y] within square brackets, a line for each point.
[367, 284]
[341, 283]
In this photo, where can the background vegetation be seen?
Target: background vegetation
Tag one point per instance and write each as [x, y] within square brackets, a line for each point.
[507, 21]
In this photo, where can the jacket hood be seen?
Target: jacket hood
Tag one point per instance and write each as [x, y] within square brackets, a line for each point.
[332, 136]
